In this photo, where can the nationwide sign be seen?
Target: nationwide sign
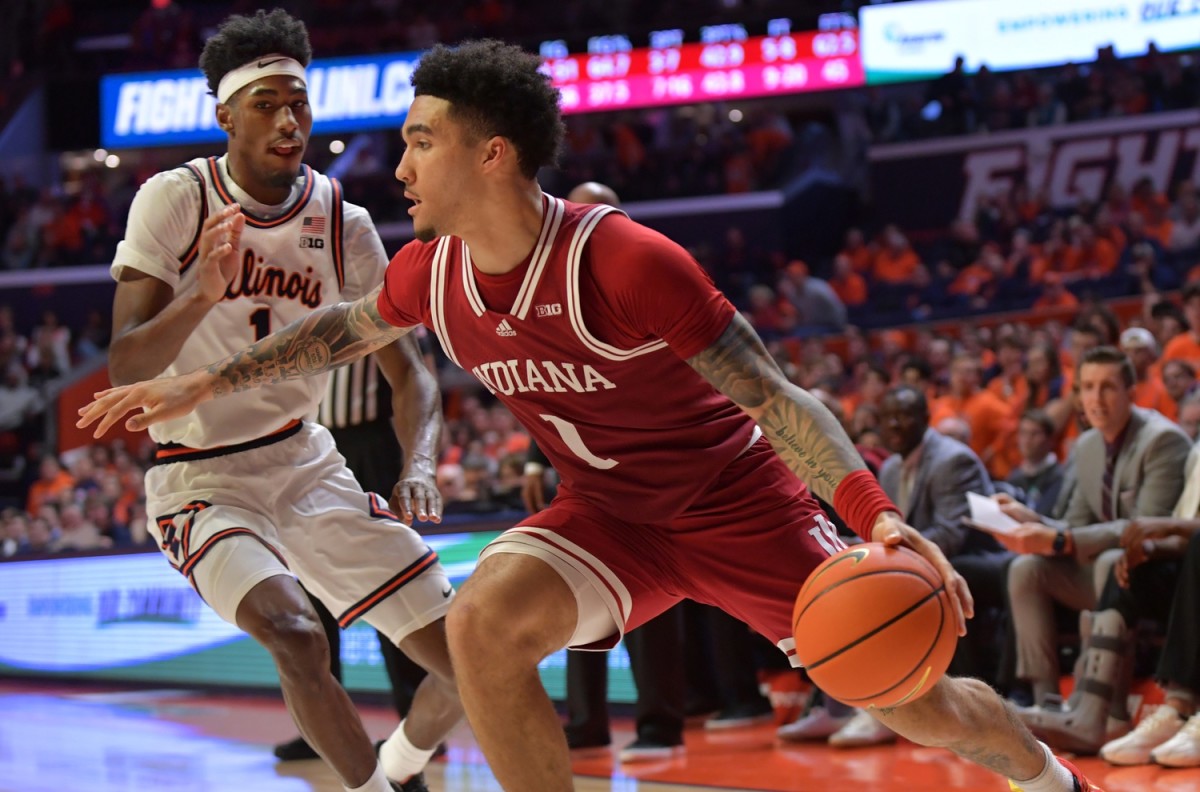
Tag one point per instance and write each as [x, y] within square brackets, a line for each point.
[927, 185]
[175, 107]
[918, 40]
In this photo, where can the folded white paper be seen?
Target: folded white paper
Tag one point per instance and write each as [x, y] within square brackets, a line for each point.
[986, 515]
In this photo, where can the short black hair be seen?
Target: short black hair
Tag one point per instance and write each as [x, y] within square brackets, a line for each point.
[1190, 290]
[241, 39]
[1110, 355]
[1041, 418]
[1082, 325]
[1166, 308]
[920, 365]
[496, 89]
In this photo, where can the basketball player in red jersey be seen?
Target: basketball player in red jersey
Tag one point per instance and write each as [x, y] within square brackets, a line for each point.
[686, 457]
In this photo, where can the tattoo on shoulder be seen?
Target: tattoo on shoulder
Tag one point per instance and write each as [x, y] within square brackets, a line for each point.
[734, 364]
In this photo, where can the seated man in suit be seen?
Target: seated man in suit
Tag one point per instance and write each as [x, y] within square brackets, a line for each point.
[1128, 465]
[1169, 736]
[928, 476]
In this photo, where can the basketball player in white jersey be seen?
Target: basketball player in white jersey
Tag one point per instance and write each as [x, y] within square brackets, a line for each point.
[685, 454]
[249, 493]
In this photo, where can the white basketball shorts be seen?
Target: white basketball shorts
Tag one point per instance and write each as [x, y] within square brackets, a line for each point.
[287, 504]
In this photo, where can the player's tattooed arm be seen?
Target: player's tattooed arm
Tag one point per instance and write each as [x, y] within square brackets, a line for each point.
[803, 431]
[322, 341]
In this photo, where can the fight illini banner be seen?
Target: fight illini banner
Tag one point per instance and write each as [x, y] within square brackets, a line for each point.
[927, 185]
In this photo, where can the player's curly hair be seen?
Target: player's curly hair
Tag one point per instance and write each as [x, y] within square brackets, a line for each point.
[241, 39]
[496, 89]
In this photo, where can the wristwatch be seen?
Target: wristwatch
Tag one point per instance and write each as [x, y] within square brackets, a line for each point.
[1060, 542]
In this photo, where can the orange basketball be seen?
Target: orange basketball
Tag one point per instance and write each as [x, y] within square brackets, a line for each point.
[874, 626]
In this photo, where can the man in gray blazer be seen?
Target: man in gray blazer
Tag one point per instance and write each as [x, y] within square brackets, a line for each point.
[1129, 465]
[928, 477]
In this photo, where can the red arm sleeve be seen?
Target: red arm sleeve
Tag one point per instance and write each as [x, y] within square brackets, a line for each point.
[404, 299]
[654, 288]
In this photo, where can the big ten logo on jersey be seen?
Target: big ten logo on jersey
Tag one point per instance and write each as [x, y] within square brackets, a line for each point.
[312, 232]
[553, 309]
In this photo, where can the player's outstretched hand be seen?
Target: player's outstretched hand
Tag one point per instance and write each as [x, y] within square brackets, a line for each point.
[891, 530]
[159, 400]
[416, 496]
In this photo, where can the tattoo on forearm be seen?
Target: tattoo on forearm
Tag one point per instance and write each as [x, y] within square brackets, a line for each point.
[321, 341]
[808, 437]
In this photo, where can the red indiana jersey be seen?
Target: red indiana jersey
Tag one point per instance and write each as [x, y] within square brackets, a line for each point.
[586, 343]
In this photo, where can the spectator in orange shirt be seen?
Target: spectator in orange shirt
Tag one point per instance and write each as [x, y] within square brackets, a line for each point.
[976, 282]
[1143, 198]
[52, 482]
[858, 251]
[992, 421]
[1186, 346]
[868, 392]
[850, 287]
[1107, 228]
[1158, 223]
[1139, 345]
[1008, 381]
[1097, 256]
[896, 263]
[1054, 294]
[1061, 251]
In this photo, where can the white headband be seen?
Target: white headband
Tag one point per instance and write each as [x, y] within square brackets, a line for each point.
[265, 66]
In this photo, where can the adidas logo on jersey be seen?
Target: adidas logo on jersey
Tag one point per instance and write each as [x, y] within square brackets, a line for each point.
[505, 329]
[553, 309]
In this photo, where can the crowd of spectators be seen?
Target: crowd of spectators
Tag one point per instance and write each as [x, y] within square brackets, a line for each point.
[57, 227]
[1016, 253]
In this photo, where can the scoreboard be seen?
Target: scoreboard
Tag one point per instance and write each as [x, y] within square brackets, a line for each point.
[700, 72]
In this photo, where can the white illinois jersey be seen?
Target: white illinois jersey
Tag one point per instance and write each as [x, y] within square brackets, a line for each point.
[311, 251]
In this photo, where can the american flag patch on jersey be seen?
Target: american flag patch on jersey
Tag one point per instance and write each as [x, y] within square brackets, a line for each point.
[313, 225]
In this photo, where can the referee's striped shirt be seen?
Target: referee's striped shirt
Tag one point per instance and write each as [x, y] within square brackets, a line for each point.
[358, 394]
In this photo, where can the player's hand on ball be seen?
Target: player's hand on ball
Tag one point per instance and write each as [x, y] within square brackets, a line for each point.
[891, 530]
[217, 261]
[159, 400]
[416, 496]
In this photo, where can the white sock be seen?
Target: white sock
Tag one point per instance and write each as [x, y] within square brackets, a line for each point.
[400, 758]
[378, 782]
[1053, 778]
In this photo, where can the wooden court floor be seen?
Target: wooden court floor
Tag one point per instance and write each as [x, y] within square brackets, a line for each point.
[109, 740]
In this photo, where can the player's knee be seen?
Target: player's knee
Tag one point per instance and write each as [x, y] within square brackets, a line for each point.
[481, 632]
[296, 641]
